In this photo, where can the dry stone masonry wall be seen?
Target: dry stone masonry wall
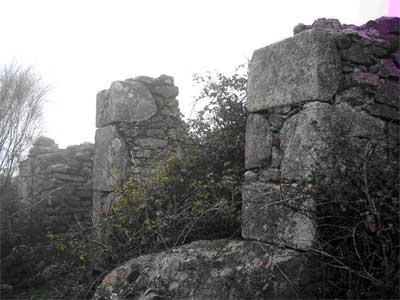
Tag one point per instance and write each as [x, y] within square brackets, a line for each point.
[300, 90]
[327, 76]
[60, 181]
[139, 125]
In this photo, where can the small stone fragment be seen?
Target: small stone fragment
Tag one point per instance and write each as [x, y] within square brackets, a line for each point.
[357, 54]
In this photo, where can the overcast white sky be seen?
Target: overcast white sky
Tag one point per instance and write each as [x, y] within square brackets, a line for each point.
[80, 47]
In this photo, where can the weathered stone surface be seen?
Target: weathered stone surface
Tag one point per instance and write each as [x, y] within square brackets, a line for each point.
[156, 133]
[363, 79]
[62, 180]
[389, 94]
[125, 101]
[250, 176]
[302, 68]
[145, 125]
[59, 168]
[142, 79]
[389, 69]
[303, 140]
[166, 91]
[220, 269]
[354, 96]
[163, 80]
[276, 120]
[384, 112]
[385, 25]
[110, 161]
[258, 142]
[43, 148]
[355, 123]
[151, 143]
[43, 141]
[343, 41]
[396, 56]
[306, 137]
[358, 55]
[270, 175]
[327, 24]
[278, 215]
[299, 28]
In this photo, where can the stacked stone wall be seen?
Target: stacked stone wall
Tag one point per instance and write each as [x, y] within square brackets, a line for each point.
[59, 183]
[139, 126]
[327, 76]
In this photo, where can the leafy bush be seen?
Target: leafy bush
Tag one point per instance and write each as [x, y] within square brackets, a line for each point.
[194, 197]
[177, 206]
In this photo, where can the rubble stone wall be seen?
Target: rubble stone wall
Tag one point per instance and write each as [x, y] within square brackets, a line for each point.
[59, 182]
[139, 125]
[327, 75]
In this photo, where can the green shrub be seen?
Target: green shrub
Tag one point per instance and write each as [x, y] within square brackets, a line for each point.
[22, 237]
[194, 197]
[177, 206]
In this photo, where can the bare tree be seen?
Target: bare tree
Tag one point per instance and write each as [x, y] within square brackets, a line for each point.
[22, 95]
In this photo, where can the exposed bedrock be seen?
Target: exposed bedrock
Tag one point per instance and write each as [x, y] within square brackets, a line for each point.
[220, 269]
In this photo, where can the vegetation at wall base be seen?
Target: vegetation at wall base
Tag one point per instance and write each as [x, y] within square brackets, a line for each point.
[196, 196]
[192, 197]
[358, 219]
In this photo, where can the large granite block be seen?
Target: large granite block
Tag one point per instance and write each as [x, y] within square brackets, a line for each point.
[110, 160]
[281, 213]
[304, 140]
[125, 101]
[258, 141]
[302, 68]
[277, 214]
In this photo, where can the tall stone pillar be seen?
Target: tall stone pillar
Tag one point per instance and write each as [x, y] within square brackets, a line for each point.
[327, 75]
[138, 125]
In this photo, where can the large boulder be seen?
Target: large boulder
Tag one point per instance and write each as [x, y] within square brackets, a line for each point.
[221, 269]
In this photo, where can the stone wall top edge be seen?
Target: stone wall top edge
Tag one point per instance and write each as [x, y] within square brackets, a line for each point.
[298, 69]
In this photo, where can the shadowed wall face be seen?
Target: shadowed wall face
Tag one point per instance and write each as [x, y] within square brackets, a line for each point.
[60, 181]
[327, 75]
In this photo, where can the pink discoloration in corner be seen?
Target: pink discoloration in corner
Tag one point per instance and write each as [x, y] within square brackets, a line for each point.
[394, 8]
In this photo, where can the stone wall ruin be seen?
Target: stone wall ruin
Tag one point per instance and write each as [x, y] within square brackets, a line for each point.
[59, 182]
[139, 125]
[299, 89]
[327, 75]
